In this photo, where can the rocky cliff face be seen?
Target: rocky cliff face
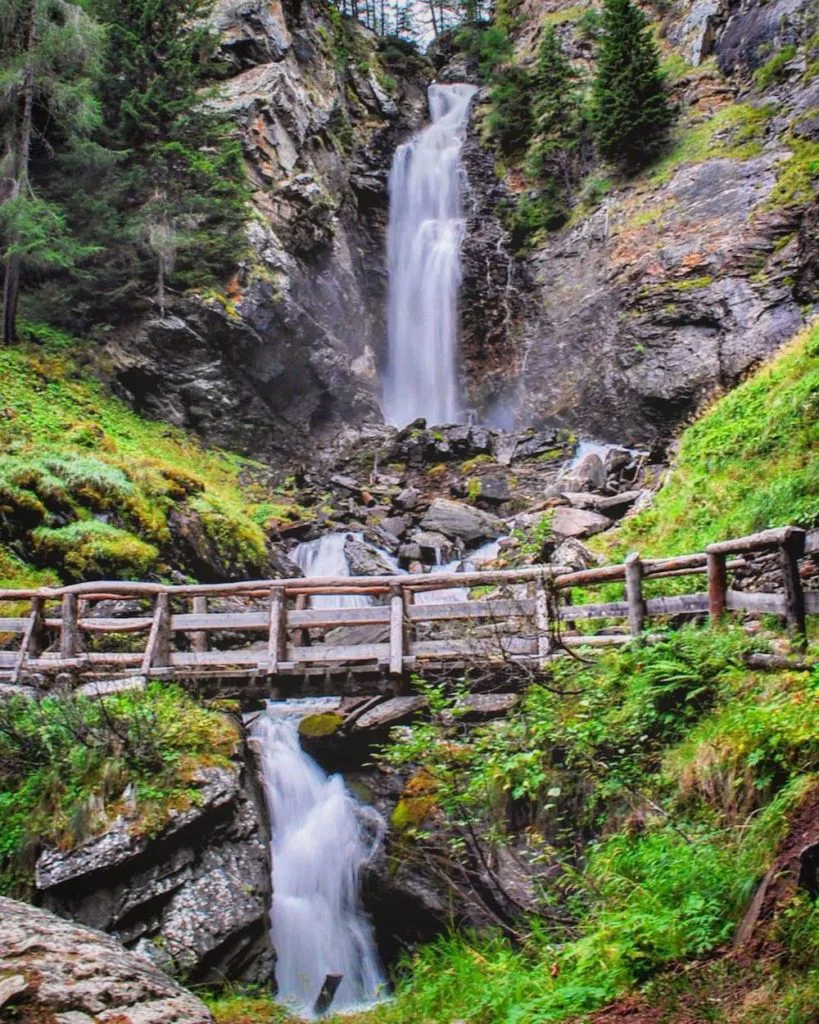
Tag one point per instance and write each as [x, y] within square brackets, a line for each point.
[288, 352]
[193, 899]
[673, 285]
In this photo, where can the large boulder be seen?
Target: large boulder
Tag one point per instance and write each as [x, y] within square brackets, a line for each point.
[73, 975]
[578, 522]
[193, 899]
[454, 519]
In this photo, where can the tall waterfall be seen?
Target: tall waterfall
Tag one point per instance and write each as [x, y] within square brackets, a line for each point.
[318, 849]
[423, 254]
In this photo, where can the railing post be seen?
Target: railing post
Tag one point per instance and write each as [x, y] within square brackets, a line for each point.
[277, 635]
[301, 637]
[789, 554]
[717, 585]
[634, 594]
[69, 628]
[32, 638]
[199, 638]
[396, 631]
[158, 649]
[544, 643]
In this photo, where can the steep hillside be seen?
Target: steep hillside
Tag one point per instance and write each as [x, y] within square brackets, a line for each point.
[89, 489]
[665, 287]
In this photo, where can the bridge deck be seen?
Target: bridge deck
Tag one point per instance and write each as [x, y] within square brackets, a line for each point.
[268, 627]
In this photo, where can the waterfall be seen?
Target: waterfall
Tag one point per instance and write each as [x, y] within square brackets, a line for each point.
[423, 254]
[317, 850]
[325, 557]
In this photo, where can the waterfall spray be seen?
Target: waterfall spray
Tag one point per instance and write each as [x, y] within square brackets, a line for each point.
[423, 253]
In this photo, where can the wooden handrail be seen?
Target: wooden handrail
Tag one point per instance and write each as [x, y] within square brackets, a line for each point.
[284, 614]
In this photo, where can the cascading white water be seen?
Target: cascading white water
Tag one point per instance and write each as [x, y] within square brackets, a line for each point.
[423, 254]
[318, 849]
[325, 557]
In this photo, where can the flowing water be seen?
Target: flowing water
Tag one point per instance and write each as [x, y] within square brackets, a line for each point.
[318, 849]
[325, 557]
[423, 254]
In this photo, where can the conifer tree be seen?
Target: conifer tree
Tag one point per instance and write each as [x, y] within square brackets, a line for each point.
[181, 183]
[49, 53]
[630, 109]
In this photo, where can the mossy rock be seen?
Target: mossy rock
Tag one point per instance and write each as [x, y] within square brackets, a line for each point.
[325, 724]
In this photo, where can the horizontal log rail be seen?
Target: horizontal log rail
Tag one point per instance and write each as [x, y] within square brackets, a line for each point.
[527, 613]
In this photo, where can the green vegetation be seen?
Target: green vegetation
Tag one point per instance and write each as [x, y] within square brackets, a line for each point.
[798, 175]
[87, 486]
[736, 130]
[773, 70]
[70, 765]
[747, 464]
[631, 113]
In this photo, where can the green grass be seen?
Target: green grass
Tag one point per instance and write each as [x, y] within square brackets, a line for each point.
[747, 464]
[87, 486]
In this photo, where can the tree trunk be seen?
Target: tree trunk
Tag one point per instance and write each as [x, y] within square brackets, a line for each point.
[21, 156]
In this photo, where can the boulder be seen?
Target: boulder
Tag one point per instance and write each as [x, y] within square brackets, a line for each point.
[408, 498]
[575, 555]
[391, 712]
[588, 475]
[193, 898]
[494, 489]
[74, 975]
[365, 560]
[577, 522]
[455, 519]
[435, 548]
[617, 505]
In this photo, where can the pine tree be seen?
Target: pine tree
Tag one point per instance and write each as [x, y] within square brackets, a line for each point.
[181, 184]
[630, 109]
[48, 58]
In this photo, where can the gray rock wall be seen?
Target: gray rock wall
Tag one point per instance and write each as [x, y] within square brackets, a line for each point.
[193, 899]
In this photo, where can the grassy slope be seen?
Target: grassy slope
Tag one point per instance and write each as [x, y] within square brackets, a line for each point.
[93, 483]
[748, 463]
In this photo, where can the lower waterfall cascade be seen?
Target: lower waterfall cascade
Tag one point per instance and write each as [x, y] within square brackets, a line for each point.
[426, 226]
[319, 846]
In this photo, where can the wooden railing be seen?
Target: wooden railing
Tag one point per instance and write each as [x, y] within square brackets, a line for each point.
[528, 614]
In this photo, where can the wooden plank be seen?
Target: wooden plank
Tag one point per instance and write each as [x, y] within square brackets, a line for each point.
[681, 604]
[811, 542]
[717, 585]
[318, 653]
[69, 627]
[611, 610]
[277, 632]
[157, 649]
[606, 640]
[486, 647]
[301, 636]
[13, 625]
[751, 601]
[464, 610]
[124, 625]
[634, 594]
[396, 632]
[329, 618]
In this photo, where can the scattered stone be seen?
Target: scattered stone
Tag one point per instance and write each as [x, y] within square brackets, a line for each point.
[581, 499]
[575, 555]
[577, 522]
[494, 489]
[396, 525]
[458, 520]
[86, 976]
[408, 498]
[348, 483]
[410, 552]
[480, 706]
[617, 459]
[617, 504]
[11, 987]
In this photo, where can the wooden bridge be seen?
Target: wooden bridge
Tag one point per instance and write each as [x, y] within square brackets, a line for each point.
[272, 629]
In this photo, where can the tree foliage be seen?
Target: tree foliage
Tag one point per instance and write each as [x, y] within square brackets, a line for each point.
[630, 108]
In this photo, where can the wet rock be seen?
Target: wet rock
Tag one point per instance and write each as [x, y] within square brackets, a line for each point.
[392, 712]
[577, 522]
[457, 520]
[434, 548]
[83, 975]
[192, 898]
[588, 475]
[365, 560]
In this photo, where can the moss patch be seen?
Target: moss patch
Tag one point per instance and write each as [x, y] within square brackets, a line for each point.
[325, 724]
